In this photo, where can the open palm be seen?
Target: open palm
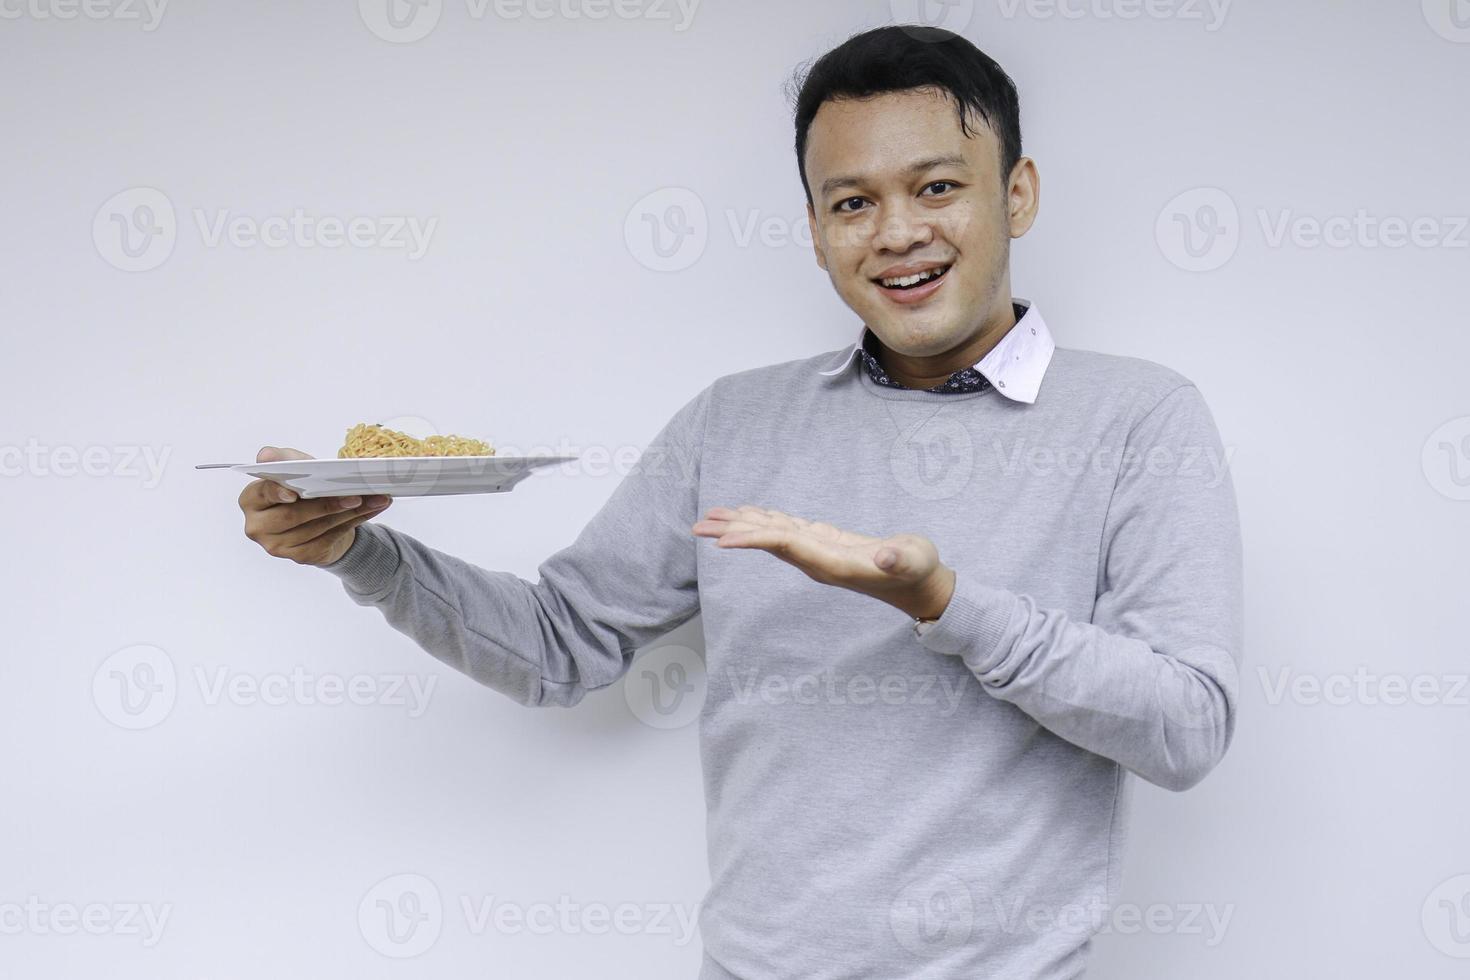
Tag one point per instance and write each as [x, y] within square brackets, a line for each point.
[902, 569]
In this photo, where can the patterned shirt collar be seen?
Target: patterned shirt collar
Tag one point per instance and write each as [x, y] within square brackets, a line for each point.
[1015, 366]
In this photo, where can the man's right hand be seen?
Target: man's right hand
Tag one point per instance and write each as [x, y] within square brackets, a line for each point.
[309, 532]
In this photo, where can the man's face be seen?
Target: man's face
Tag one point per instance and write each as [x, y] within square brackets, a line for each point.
[899, 191]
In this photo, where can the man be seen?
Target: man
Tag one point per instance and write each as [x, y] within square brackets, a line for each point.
[931, 784]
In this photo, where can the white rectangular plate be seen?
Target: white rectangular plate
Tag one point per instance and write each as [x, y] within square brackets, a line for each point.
[398, 476]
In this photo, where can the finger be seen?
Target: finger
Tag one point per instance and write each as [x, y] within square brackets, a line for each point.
[795, 548]
[260, 494]
[279, 520]
[891, 559]
[310, 550]
[717, 521]
[904, 556]
[761, 516]
[274, 454]
[311, 530]
[798, 550]
[726, 520]
[715, 529]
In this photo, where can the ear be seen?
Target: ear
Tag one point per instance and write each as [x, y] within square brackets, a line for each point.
[1023, 196]
[811, 223]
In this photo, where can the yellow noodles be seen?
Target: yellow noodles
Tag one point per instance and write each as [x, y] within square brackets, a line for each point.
[373, 440]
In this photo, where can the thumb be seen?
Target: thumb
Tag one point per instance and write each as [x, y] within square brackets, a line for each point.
[272, 454]
[894, 558]
[910, 557]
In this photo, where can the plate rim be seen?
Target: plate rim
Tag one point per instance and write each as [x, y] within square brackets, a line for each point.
[288, 463]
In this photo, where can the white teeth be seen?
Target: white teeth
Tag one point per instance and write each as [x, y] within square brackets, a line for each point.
[913, 280]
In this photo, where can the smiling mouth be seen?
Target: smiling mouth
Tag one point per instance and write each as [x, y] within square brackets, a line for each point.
[902, 283]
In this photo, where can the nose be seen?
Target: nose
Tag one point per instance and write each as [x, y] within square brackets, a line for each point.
[902, 227]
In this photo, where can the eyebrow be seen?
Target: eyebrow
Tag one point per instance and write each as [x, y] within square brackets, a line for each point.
[912, 170]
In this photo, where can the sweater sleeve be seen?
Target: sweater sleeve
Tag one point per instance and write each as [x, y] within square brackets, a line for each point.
[1151, 682]
[627, 579]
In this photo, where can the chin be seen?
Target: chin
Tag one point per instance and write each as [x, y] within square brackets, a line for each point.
[916, 336]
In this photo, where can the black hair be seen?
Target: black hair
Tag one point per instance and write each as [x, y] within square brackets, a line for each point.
[901, 57]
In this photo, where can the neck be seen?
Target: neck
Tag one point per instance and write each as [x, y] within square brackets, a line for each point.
[933, 370]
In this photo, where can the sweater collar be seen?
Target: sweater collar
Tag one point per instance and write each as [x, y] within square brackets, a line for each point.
[1015, 366]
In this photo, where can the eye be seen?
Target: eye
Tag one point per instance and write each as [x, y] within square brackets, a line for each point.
[841, 207]
[943, 185]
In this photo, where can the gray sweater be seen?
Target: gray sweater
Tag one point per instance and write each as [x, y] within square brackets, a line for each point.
[881, 804]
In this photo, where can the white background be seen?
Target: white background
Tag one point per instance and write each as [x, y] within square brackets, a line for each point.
[1331, 835]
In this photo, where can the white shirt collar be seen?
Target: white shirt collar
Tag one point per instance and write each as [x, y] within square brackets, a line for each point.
[1015, 366]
